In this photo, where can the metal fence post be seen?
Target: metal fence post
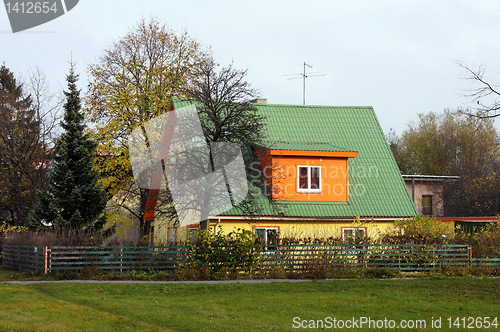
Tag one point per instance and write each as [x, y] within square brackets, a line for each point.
[48, 257]
[470, 255]
[121, 260]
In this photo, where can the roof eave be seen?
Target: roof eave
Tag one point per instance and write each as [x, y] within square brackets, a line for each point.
[307, 153]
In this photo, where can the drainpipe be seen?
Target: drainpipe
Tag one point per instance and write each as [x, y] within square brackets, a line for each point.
[217, 224]
[413, 189]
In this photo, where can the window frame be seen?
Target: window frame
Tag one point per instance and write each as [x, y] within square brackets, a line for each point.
[189, 239]
[172, 230]
[424, 211]
[266, 228]
[309, 189]
[356, 230]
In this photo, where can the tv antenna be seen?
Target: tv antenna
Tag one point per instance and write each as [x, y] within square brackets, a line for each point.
[305, 75]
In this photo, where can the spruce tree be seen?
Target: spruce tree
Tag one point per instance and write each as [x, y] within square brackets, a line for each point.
[73, 201]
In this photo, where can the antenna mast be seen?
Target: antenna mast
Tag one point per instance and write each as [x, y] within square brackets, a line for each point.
[305, 75]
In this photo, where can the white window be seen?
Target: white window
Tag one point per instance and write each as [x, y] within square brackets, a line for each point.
[352, 235]
[309, 179]
[269, 236]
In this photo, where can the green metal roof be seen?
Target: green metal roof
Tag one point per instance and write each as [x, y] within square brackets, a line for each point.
[376, 186]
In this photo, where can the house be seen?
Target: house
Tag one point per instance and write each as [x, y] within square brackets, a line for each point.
[331, 174]
[427, 193]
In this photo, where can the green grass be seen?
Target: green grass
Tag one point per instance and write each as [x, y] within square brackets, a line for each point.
[238, 307]
[6, 275]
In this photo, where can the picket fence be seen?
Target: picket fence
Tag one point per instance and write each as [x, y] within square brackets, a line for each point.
[291, 258]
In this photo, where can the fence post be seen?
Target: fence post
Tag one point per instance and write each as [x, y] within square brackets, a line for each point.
[470, 255]
[399, 257]
[47, 259]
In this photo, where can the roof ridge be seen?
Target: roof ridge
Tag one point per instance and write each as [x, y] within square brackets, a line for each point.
[258, 105]
[313, 106]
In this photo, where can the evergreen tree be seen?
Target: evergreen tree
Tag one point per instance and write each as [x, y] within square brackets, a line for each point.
[73, 201]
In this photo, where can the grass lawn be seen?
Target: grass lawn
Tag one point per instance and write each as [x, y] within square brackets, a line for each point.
[240, 307]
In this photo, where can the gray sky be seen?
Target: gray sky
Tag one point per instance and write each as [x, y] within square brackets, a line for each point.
[395, 55]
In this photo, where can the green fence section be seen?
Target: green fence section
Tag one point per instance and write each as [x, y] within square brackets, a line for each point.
[24, 258]
[485, 262]
[300, 258]
[116, 259]
[291, 258]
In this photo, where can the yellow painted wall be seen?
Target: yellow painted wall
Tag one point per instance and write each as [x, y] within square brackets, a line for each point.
[163, 231]
[313, 229]
[289, 229]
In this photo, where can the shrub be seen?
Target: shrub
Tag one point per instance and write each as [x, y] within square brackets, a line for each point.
[7, 230]
[29, 238]
[488, 241]
[417, 230]
[485, 241]
[311, 240]
[221, 255]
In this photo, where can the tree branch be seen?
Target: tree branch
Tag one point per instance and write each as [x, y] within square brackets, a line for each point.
[478, 107]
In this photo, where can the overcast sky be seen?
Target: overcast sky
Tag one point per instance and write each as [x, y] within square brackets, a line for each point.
[397, 56]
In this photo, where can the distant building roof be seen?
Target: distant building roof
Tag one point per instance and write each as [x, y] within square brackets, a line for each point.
[417, 177]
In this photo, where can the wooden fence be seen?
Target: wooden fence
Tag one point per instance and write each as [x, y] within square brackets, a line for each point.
[485, 262]
[291, 258]
[114, 259]
[25, 258]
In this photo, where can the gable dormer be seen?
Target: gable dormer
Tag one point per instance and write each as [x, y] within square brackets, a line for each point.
[307, 171]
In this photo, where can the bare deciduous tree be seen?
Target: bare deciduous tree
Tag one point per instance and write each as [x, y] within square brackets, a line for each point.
[485, 98]
[224, 100]
[453, 143]
[46, 103]
[28, 114]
